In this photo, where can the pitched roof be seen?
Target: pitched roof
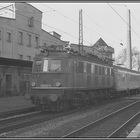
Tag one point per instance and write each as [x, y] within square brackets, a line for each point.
[100, 42]
[7, 18]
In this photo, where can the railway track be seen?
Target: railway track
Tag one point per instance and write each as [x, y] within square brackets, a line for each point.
[30, 118]
[21, 120]
[18, 112]
[111, 125]
[123, 130]
[17, 121]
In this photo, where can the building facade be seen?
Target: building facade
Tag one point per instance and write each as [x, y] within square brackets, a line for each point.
[20, 38]
[100, 49]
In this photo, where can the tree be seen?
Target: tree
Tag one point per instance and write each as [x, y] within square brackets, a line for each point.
[121, 58]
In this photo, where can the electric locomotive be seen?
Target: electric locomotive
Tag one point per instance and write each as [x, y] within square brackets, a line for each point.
[62, 79]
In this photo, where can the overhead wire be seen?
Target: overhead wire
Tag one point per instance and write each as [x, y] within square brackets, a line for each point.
[123, 20]
[97, 24]
[67, 18]
[73, 20]
[132, 15]
[90, 29]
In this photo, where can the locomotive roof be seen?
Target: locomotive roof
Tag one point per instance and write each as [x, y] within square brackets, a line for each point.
[77, 56]
[126, 69]
[94, 59]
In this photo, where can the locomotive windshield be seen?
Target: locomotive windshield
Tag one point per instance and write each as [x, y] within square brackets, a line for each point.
[37, 66]
[52, 66]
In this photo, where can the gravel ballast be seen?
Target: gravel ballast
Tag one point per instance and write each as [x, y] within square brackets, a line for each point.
[63, 125]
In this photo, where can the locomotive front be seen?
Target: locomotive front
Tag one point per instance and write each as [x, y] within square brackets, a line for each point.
[50, 76]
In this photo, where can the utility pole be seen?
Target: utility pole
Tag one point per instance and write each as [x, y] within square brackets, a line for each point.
[80, 31]
[129, 50]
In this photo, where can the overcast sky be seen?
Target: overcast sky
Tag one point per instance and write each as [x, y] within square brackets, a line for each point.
[99, 20]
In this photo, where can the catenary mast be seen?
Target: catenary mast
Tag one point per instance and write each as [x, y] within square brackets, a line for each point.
[80, 31]
[129, 50]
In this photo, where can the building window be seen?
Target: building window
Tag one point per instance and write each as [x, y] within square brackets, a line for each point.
[20, 39]
[29, 58]
[37, 41]
[8, 37]
[31, 22]
[29, 40]
[20, 56]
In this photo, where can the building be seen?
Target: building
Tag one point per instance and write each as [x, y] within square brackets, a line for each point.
[20, 38]
[100, 50]
[86, 49]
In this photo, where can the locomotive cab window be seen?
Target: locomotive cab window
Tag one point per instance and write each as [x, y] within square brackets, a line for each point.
[52, 66]
[37, 66]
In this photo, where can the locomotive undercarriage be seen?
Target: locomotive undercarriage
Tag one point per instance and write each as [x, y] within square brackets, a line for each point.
[76, 98]
[67, 99]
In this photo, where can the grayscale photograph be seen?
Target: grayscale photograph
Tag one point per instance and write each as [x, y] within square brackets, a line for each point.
[69, 70]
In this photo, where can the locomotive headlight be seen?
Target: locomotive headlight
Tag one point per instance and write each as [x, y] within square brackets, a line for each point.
[58, 84]
[33, 84]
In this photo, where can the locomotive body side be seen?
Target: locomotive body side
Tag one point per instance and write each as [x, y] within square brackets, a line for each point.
[93, 75]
